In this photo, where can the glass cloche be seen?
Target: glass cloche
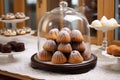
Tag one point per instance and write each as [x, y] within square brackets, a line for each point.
[63, 38]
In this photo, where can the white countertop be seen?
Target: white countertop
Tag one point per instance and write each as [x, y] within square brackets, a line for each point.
[21, 65]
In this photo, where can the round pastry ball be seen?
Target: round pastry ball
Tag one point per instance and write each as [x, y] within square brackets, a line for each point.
[76, 36]
[58, 58]
[63, 37]
[6, 48]
[50, 45]
[75, 57]
[53, 33]
[79, 46]
[65, 47]
[44, 55]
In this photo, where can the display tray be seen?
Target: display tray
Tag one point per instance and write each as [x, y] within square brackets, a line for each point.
[108, 55]
[12, 53]
[15, 20]
[67, 68]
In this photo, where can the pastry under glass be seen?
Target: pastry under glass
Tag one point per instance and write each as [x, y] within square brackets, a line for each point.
[60, 28]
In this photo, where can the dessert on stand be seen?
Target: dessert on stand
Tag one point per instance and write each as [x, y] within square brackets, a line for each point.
[64, 42]
[115, 66]
[11, 48]
[111, 51]
[10, 43]
[13, 19]
[104, 25]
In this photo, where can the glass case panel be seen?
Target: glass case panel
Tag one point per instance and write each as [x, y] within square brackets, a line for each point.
[8, 8]
[30, 10]
[117, 17]
[91, 13]
[89, 9]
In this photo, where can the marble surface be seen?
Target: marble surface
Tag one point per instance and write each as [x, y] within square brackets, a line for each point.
[20, 64]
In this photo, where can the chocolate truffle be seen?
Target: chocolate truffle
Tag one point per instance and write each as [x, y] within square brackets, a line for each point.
[13, 44]
[19, 47]
[6, 48]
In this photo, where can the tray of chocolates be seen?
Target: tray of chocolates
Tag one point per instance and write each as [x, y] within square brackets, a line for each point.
[12, 47]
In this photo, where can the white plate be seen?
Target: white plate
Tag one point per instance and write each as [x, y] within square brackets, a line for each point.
[115, 66]
[107, 55]
[12, 53]
[14, 20]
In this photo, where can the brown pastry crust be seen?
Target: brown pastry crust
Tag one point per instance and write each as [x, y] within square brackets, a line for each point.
[58, 58]
[44, 55]
[50, 45]
[86, 55]
[65, 47]
[79, 46]
[53, 33]
[76, 36]
[66, 29]
[63, 37]
[113, 50]
[75, 57]
[116, 52]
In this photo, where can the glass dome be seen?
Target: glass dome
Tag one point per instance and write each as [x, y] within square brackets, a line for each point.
[63, 30]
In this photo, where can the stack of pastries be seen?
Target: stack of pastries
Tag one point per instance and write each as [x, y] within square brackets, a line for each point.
[64, 46]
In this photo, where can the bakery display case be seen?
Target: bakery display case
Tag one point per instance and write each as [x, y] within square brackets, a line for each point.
[64, 42]
[11, 36]
[43, 49]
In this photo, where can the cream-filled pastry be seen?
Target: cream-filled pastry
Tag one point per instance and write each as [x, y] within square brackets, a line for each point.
[114, 22]
[103, 20]
[20, 31]
[20, 15]
[27, 29]
[96, 23]
[10, 32]
[8, 16]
